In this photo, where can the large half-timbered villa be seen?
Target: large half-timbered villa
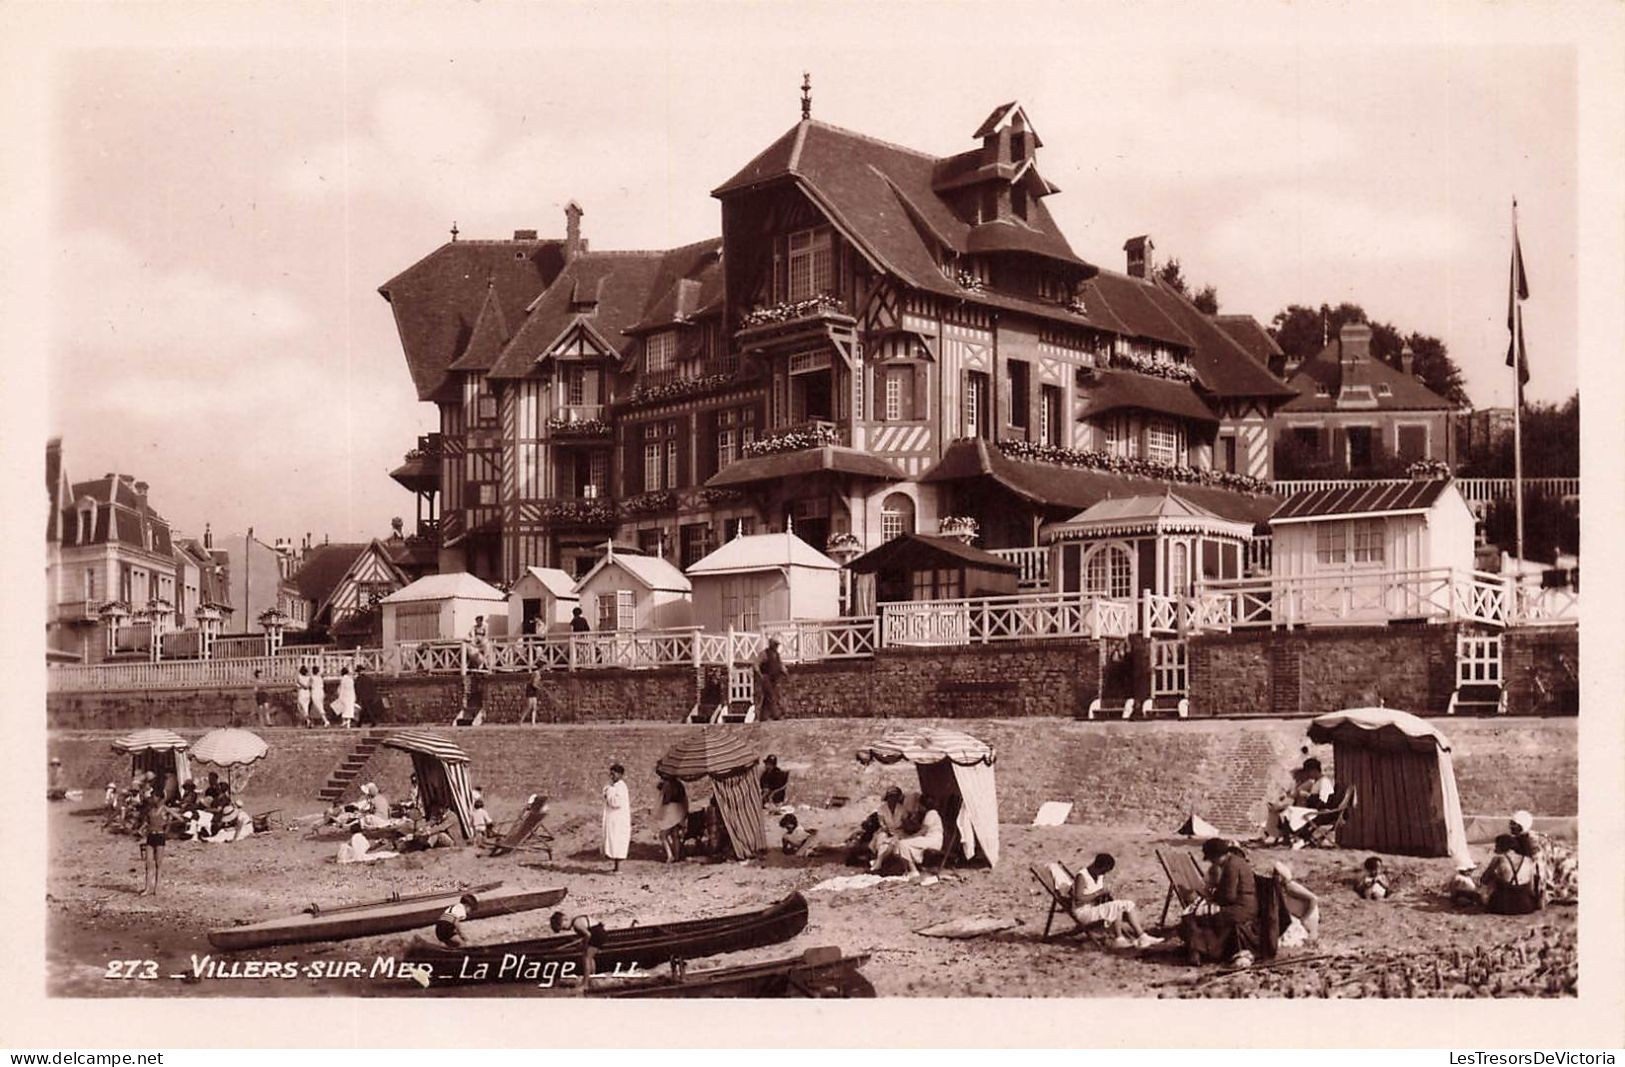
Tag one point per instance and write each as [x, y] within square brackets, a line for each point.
[880, 339]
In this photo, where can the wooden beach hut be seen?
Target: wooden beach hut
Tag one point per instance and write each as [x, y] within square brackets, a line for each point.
[1405, 785]
[764, 578]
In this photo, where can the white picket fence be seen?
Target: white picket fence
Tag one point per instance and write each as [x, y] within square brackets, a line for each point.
[1005, 618]
[1437, 595]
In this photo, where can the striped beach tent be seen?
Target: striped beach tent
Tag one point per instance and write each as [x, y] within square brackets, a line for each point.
[442, 770]
[157, 750]
[952, 767]
[1406, 800]
[722, 755]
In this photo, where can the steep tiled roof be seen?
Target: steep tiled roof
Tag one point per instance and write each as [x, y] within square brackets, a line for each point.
[324, 567]
[437, 300]
[882, 196]
[1114, 390]
[121, 515]
[1325, 368]
[688, 286]
[1251, 335]
[488, 337]
[1133, 303]
[1224, 367]
[608, 292]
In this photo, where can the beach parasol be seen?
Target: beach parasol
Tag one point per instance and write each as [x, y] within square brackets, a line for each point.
[720, 754]
[230, 748]
[709, 751]
[928, 744]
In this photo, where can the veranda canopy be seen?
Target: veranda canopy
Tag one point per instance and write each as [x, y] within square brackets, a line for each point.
[442, 770]
[955, 768]
[1406, 800]
[720, 754]
[160, 751]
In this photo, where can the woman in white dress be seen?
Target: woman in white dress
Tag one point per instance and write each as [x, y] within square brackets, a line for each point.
[344, 703]
[318, 694]
[617, 817]
[301, 696]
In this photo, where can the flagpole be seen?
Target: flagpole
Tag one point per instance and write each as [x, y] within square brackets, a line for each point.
[1517, 404]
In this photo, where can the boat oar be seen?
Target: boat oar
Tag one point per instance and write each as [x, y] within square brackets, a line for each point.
[396, 898]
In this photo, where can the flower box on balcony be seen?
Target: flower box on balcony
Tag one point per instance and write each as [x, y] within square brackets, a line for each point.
[1153, 366]
[644, 504]
[582, 512]
[794, 440]
[792, 310]
[579, 428]
[644, 395]
[1132, 466]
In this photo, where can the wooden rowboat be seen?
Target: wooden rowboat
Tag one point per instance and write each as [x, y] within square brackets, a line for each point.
[389, 916]
[817, 973]
[643, 948]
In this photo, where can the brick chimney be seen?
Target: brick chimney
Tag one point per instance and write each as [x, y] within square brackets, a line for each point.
[1141, 256]
[573, 244]
[1355, 341]
[1407, 361]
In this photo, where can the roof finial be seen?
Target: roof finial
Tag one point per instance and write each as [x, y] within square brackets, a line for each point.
[806, 95]
[454, 230]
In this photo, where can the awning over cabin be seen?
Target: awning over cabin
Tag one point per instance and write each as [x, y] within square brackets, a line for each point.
[829, 458]
[1051, 485]
[1109, 391]
[1374, 498]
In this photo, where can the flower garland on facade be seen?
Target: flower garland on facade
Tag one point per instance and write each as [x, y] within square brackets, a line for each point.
[114, 607]
[579, 427]
[843, 542]
[791, 310]
[660, 500]
[1154, 366]
[968, 280]
[1425, 470]
[677, 390]
[722, 496]
[1133, 466]
[793, 441]
[964, 527]
[579, 512]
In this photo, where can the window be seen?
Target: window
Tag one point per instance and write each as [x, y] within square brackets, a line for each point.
[606, 611]
[1368, 541]
[649, 542]
[1331, 543]
[897, 394]
[741, 604]
[1227, 454]
[894, 395]
[1162, 442]
[695, 543]
[975, 404]
[1384, 389]
[896, 516]
[575, 385]
[811, 263]
[1109, 573]
[653, 478]
[1178, 570]
[90, 585]
[658, 350]
[1322, 389]
[1049, 416]
[1110, 441]
[671, 458]
[597, 475]
[940, 583]
[1019, 374]
[727, 447]
[1361, 452]
[1412, 442]
[1308, 437]
[488, 495]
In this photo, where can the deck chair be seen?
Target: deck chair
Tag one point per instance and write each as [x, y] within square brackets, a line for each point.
[1061, 904]
[527, 834]
[1185, 882]
[1321, 830]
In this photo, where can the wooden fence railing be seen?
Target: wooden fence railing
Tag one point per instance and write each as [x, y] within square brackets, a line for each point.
[1006, 618]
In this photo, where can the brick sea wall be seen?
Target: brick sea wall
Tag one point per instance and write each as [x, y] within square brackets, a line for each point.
[1128, 773]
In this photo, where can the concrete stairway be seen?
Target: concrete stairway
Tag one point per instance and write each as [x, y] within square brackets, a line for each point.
[348, 770]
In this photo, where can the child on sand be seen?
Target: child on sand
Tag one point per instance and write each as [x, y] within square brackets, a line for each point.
[153, 828]
[1373, 885]
[449, 927]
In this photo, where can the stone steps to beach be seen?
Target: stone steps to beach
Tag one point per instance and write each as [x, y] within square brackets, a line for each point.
[350, 768]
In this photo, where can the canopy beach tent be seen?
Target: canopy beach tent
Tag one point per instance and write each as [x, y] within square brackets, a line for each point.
[159, 751]
[230, 748]
[442, 770]
[720, 754]
[1399, 765]
[953, 768]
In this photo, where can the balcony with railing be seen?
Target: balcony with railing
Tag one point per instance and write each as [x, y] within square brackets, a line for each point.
[1033, 575]
[585, 421]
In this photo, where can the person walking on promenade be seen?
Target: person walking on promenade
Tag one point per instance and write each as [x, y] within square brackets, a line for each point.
[318, 695]
[262, 700]
[344, 703]
[301, 695]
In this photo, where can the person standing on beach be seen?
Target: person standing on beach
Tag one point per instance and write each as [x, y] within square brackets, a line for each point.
[533, 691]
[262, 701]
[153, 826]
[617, 817]
[301, 696]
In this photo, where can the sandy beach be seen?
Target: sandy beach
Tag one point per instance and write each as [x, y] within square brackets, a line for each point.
[1414, 945]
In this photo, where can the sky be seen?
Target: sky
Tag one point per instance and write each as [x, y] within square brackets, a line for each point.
[223, 203]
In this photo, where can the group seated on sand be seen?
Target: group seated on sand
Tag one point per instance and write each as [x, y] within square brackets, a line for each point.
[185, 811]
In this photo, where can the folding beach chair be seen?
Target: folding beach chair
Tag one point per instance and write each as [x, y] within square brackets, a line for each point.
[1322, 828]
[528, 834]
[1061, 904]
[1185, 882]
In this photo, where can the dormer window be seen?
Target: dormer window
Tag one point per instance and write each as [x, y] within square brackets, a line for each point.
[87, 523]
[812, 263]
[1322, 389]
[1384, 389]
[1018, 202]
[658, 351]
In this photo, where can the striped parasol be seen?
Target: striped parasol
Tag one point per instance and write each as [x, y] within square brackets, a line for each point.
[707, 752]
[230, 748]
[425, 743]
[150, 740]
[928, 744]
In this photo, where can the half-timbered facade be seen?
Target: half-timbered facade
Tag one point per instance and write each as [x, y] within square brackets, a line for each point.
[869, 314]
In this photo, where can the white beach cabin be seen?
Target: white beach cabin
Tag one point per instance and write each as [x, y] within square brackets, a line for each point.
[764, 578]
[545, 594]
[625, 592]
[442, 607]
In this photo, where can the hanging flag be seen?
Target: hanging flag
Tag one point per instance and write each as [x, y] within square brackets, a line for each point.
[1517, 292]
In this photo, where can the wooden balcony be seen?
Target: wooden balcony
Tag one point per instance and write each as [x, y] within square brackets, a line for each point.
[798, 326]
